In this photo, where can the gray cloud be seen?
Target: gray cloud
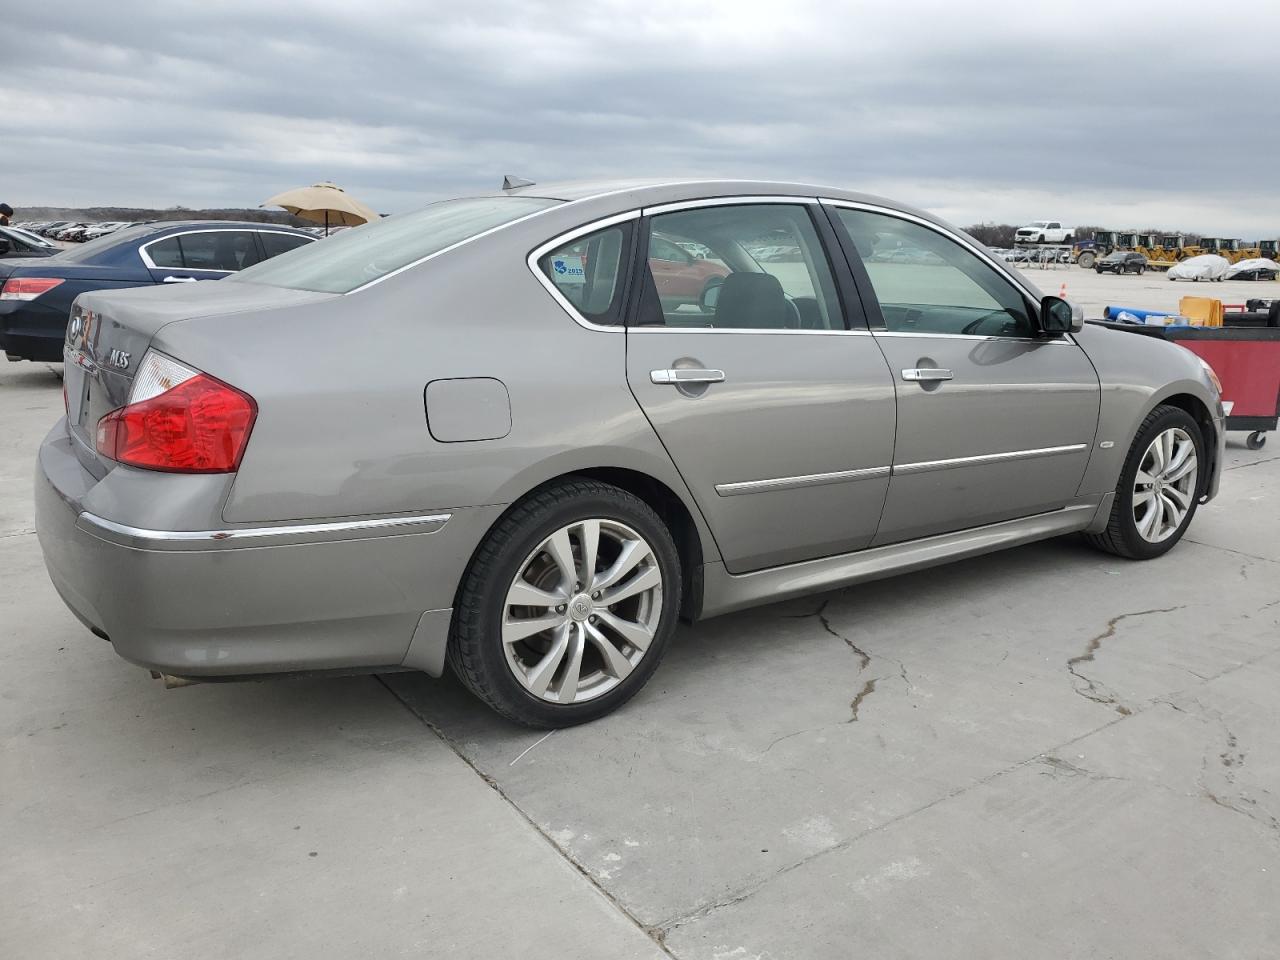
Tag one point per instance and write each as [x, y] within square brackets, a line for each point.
[972, 110]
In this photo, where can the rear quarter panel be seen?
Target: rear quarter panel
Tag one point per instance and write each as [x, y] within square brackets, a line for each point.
[342, 428]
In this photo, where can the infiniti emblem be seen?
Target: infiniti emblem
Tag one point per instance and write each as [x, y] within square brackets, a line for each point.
[580, 607]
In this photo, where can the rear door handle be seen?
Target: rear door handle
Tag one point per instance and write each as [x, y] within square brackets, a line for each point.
[680, 375]
[925, 374]
[179, 280]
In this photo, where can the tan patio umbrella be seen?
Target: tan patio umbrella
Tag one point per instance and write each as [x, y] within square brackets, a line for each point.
[325, 203]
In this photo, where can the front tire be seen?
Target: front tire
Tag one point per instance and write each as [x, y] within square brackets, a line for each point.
[568, 605]
[1159, 487]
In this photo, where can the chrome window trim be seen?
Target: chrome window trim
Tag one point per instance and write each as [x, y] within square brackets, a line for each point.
[150, 264]
[908, 334]
[771, 331]
[807, 480]
[543, 249]
[1002, 269]
[294, 533]
[926, 466]
[732, 201]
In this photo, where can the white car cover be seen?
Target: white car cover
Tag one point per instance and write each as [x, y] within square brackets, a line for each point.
[1208, 266]
[1245, 266]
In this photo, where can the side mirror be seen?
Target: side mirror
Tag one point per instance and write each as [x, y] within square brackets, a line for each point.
[710, 295]
[1058, 317]
[4, 246]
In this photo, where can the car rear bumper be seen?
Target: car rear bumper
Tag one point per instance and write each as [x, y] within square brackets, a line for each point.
[359, 594]
[32, 331]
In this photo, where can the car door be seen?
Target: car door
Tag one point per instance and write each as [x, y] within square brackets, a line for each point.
[205, 254]
[995, 421]
[771, 397]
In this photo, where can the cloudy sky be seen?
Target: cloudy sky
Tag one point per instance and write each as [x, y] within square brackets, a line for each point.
[1092, 113]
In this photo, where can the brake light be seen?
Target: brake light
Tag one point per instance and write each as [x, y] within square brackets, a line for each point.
[178, 420]
[27, 288]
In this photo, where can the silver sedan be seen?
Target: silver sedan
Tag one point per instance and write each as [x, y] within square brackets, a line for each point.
[526, 433]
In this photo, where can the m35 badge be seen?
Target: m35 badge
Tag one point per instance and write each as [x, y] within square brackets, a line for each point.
[119, 359]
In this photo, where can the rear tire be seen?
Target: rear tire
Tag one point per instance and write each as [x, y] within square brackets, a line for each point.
[1127, 533]
[501, 662]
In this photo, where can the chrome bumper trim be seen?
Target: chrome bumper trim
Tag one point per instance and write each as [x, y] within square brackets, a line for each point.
[282, 535]
[790, 483]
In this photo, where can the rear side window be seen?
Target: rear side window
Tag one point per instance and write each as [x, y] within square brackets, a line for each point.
[588, 272]
[227, 250]
[367, 253]
[166, 253]
[277, 243]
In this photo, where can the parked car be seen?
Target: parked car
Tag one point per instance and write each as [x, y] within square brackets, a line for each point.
[50, 229]
[36, 297]
[679, 275]
[71, 233]
[15, 242]
[1044, 231]
[456, 450]
[1121, 262]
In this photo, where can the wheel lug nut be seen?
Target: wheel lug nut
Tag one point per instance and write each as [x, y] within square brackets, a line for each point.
[593, 618]
[596, 595]
[561, 609]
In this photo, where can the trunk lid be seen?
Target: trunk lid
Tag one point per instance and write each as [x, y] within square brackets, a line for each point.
[110, 331]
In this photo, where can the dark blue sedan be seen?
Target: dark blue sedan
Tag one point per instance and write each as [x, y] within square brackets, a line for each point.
[36, 294]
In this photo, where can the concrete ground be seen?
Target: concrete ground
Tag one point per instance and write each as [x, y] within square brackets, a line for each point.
[1041, 753]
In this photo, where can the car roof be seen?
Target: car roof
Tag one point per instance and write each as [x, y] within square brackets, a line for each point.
[621, 195]
[161, 226]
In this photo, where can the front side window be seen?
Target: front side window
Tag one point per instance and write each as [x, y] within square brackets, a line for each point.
[361, 255]
[588, 273]
[928, 283]
[762, 267]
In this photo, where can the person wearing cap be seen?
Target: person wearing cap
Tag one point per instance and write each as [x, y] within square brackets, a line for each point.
[6, 212]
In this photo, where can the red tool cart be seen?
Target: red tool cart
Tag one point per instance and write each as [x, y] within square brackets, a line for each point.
[1246, 360]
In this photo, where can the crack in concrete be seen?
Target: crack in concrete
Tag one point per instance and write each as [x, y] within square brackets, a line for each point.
[867, 690]
[751, 889]
[1095, 690]
[654, 932]
[1255, 463]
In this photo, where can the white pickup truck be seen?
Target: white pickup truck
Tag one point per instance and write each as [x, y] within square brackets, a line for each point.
[1044, 231]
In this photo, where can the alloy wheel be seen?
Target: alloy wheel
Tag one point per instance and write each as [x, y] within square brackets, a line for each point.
[582, 611]
[1164, 487]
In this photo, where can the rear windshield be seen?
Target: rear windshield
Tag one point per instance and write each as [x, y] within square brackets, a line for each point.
[85, 252]
[361, 255]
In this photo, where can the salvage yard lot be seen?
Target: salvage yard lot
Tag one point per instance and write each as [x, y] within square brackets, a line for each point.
[1041, 753]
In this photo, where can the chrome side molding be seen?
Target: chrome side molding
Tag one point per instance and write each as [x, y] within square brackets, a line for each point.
[925, 466]
[790, 483]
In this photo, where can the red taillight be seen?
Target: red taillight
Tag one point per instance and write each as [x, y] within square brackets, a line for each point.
[27, 288]
[198, 425]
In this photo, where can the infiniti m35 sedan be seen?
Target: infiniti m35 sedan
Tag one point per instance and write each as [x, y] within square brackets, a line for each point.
[481, 435]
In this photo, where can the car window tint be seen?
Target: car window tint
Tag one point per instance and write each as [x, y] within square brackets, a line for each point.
[361, 255]
[762, 267]
[928, 283]
[277, 243]
[166, 253]
[588, 273]
[227, 250]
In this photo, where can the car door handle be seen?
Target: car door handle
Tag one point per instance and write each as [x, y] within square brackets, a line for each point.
[925, 374]
[179, 280]
[680, 375]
